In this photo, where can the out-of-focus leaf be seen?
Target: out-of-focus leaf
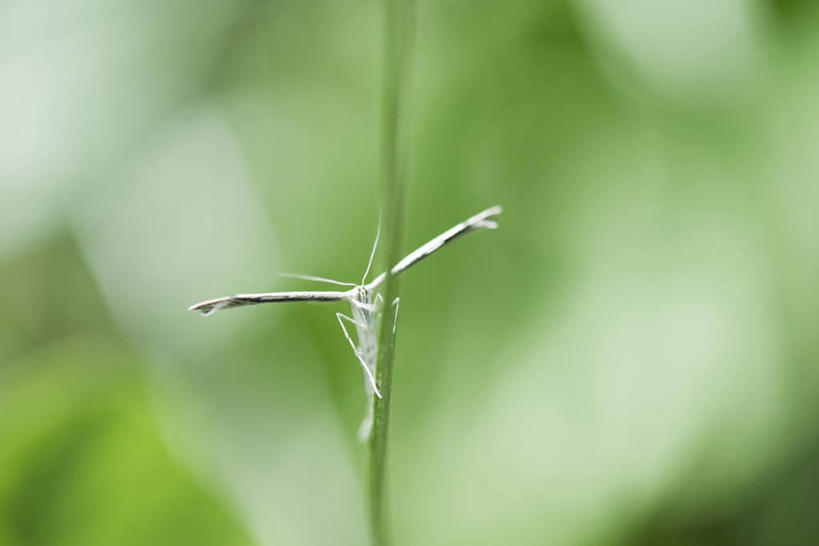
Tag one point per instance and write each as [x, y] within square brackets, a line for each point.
[83, 462]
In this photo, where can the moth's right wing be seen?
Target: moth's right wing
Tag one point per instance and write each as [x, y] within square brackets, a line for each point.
[483, 220]
[240, 300]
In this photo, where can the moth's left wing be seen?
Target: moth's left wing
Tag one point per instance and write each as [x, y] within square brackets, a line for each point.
[240, 300]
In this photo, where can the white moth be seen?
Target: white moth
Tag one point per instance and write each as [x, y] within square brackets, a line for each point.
[365, 302]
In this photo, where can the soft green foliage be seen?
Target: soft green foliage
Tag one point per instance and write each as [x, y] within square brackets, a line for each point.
[629, 359]
[84, 463]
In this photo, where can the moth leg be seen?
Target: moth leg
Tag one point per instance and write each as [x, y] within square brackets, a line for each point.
[367, 371]
[348, 319]
[395, 303]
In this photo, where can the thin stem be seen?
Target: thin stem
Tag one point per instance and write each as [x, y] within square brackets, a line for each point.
[399, 24]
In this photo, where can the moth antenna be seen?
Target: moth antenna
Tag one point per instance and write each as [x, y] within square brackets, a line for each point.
[304, 277]
[372, 253]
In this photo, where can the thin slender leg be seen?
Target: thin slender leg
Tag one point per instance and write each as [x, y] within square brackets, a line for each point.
[395, 303]
[362, 305]
[348, 319]
[367, 371]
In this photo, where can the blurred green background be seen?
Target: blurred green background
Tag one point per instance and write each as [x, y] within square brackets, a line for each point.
[631, 359]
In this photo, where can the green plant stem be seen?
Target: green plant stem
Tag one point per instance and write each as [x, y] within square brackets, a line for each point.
[399, 24]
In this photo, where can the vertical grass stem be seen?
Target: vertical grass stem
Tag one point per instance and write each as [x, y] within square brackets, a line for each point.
[399, 28]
